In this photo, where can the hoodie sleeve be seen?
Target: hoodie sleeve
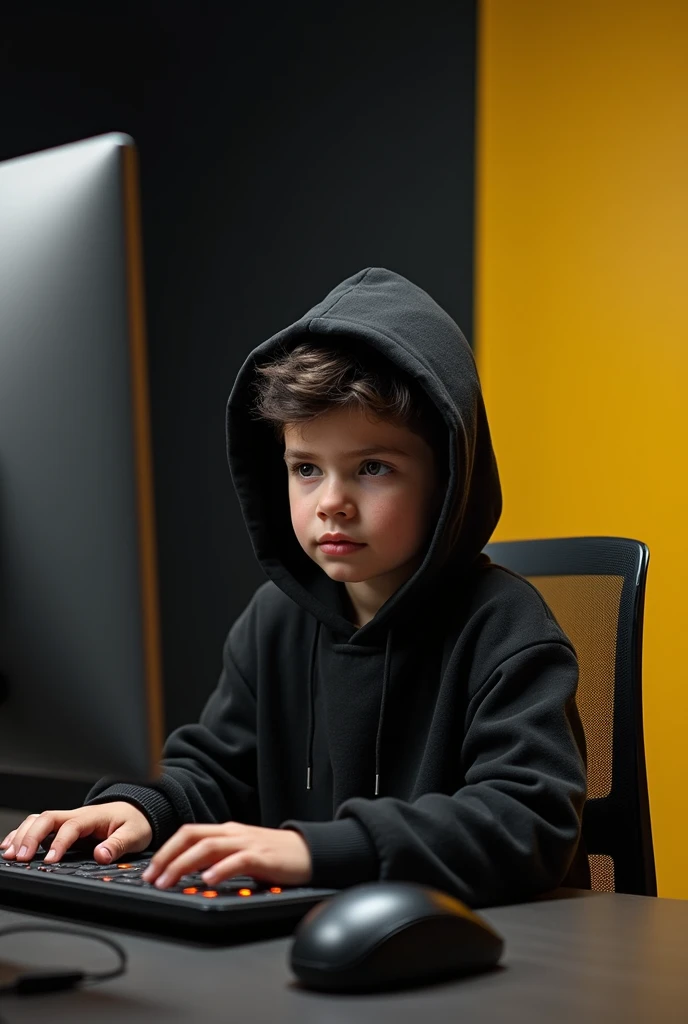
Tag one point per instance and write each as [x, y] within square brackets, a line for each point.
[512, 830]
[204, 777]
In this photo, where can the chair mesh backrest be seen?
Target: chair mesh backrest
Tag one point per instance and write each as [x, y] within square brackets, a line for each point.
[587, 609]
[595, 587]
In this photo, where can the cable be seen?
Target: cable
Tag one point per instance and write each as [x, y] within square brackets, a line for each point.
[59, 981]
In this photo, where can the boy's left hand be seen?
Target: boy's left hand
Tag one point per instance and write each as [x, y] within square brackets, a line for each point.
[276, 855]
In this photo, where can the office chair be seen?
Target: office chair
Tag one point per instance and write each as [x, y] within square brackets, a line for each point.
[595, 586]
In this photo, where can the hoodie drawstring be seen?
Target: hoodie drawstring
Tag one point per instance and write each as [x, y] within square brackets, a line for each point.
[385, 682]
[311, 708]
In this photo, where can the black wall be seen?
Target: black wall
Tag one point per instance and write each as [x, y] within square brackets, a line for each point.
[281, 151]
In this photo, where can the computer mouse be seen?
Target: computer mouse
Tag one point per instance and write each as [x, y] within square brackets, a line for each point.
[381, 935]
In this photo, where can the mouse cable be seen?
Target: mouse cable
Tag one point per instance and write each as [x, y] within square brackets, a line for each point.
[59, 981]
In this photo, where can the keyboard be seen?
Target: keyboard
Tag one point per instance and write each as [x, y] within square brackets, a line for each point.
[117, 893]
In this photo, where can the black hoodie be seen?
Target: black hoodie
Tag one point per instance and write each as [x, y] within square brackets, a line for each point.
[440, 742]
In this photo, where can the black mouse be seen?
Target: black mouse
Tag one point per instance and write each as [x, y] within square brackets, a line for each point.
[383, 935]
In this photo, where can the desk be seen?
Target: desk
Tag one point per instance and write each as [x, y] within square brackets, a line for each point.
[590, 957]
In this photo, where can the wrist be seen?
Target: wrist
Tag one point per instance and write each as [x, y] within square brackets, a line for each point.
[303, 861]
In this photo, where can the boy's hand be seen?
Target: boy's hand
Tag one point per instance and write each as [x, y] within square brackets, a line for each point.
[124, 828]
[269, 854]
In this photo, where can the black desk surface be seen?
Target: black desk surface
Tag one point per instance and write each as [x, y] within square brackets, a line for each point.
[589, 957]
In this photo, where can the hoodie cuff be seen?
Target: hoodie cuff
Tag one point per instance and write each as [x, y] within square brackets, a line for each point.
[342, 853]
[151, 802]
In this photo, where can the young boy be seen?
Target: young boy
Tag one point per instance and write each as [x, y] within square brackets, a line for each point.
[392, 705]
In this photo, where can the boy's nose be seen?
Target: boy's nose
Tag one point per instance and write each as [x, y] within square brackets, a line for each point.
[335, 503]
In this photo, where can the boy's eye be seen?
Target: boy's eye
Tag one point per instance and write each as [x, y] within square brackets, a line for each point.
[381, 465]
[309, 465]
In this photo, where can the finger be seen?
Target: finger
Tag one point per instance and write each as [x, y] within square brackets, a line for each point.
[183, 838]
[29, 834]
[66, 835]
[204, 853]
[8, 839]
[17, 841]
[121, 841]
[17, 833]
[242, 862]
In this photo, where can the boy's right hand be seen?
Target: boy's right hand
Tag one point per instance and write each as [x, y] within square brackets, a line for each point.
[124, 828]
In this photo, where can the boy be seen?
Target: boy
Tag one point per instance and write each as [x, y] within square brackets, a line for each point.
[392, 705]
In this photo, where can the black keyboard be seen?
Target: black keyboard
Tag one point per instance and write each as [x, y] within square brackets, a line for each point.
[116, 892]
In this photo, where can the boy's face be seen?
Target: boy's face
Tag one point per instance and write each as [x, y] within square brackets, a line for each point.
[387, 501]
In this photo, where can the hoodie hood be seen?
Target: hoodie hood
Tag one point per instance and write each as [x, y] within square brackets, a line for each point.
[402, 323]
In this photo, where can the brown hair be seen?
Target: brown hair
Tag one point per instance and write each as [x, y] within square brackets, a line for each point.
[311, 378]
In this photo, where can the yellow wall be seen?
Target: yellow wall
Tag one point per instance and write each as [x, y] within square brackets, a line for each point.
[582, 313]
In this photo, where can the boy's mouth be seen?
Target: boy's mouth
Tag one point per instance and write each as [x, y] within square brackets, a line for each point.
[340, 547]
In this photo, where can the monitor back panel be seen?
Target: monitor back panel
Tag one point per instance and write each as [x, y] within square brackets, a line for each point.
[72, 615]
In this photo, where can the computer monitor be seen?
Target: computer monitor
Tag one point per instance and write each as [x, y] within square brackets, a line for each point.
[80, 653]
